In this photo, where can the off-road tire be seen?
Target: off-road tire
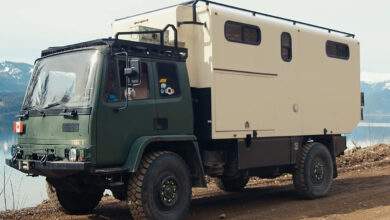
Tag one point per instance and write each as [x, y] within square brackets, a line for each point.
[313, 174]
[233, 184]
[79, 202]
[145, 187]
[52, 195]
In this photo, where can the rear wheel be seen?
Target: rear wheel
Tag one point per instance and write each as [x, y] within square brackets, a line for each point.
[161, 188]
[233, 184]
[314, 171]
[82, 201]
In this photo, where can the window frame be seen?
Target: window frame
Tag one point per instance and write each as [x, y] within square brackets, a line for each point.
[243, 26]
[156, 63]
[337, 45]
[111, 64]
[289, 59]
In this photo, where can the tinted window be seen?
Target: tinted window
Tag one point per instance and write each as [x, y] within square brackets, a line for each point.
[233, 32]
[168, 81]
[111, 89]
[242, 33]
[286, 47]
[337, 50]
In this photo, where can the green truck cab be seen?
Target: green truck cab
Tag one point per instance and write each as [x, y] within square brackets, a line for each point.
[121, 115]
[77, 128]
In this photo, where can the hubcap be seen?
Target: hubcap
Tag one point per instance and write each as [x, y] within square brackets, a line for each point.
[317, 171]
[168, 192]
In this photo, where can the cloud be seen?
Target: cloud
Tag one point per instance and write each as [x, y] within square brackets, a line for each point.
[371, 77]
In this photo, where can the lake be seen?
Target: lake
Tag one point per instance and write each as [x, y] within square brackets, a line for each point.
[20, 190]
[23, 191]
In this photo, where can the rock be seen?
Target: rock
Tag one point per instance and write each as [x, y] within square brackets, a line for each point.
[222, 216]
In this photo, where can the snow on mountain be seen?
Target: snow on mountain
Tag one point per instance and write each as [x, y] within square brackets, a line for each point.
[375, 81]
[372, 78]
[376, 88]
[14, 77]
[15, 70]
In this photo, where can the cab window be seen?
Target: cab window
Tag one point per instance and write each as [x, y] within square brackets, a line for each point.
[117, 82]
[168, 80]
[111, 89]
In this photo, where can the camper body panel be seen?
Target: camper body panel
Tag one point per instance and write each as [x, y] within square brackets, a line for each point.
[313, 94]
[252, 88]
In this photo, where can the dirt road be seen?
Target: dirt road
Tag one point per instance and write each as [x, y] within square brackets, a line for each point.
[361, 194]
[362, 191]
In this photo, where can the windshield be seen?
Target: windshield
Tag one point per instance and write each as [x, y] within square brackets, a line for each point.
[64, 80]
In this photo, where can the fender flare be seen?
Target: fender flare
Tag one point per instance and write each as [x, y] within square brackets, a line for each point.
[138, 147]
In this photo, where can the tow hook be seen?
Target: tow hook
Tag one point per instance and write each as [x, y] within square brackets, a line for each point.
[44, 159]
[15, 153]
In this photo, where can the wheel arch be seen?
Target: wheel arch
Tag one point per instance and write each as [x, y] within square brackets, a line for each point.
[186, 146]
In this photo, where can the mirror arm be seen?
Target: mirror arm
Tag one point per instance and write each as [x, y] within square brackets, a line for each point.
[126, 97]
[127, 83]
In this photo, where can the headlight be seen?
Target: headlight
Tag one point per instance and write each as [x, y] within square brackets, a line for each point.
[73, 155]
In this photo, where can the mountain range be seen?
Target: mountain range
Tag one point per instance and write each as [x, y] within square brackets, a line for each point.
[14, 78]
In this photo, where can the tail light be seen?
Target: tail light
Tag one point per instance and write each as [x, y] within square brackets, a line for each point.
[18, 127]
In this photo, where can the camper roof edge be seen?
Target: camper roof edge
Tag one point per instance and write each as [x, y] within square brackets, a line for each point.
[254, 13]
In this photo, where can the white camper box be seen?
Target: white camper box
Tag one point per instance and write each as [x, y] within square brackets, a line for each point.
[252, 87]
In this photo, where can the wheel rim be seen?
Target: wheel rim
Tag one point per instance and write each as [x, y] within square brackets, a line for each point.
[317, 171]
[168, 192]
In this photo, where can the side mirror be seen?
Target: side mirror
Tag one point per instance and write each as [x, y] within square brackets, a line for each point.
[133, 73]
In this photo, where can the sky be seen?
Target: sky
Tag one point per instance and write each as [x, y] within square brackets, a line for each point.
[27, 27]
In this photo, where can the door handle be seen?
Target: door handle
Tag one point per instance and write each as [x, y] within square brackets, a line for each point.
[161, 123]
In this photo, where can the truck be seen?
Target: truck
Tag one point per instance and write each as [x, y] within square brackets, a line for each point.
[177, 94]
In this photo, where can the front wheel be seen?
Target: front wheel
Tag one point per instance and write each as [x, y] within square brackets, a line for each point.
[161, 188]
[313, 175]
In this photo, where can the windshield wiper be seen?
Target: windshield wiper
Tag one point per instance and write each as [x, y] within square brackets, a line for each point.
[69, 114]
[53, 105]
[66, 113]
[27, 111]
[23, 115]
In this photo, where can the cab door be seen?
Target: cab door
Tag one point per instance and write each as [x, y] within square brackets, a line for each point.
[118, 127]
[173, 99]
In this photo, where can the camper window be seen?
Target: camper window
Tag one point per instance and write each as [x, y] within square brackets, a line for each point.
[337, 50]
[286, 43]
[242, 33]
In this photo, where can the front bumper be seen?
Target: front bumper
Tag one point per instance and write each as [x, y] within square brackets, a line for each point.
[50, 168]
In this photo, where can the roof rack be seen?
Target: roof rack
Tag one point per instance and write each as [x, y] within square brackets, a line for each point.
[59, 49]
[138, 49]
[160, 32]
[254, 13]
